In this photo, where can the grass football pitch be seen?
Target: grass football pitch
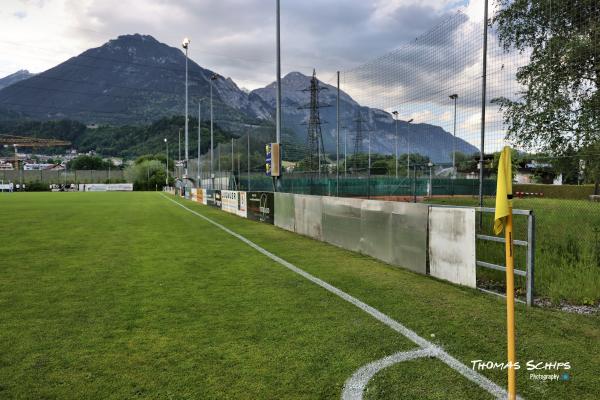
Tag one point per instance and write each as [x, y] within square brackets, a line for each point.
[128, 295]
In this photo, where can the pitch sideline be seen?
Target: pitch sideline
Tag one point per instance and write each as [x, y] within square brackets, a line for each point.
[426, 347]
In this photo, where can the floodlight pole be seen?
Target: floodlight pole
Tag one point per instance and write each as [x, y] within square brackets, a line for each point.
[185, 46]
[199, 168]
[337, 137]
[395, 113]
[232, 164]
[430, 165]
[345, 153]
[408, 158]
[369, 151]
[454, 97]
[167, 169]
[179, 160]
[212, 137]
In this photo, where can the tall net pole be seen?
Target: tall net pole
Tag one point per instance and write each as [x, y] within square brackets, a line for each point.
[483, 92]
[276, 182]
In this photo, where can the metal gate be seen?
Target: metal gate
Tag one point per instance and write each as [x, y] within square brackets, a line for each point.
[529, 244]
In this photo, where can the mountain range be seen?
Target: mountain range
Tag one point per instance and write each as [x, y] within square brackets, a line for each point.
[14, 78]
[135, 79]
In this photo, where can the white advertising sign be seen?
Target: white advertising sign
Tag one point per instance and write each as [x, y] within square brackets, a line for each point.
[229, 201]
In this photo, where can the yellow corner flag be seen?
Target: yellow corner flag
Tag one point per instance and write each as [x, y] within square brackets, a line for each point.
[503, 191]
[503, 220]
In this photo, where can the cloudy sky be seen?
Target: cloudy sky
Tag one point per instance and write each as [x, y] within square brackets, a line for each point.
[233, 37]
[237, 39]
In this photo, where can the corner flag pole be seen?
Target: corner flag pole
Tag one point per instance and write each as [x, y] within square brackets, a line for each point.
[503, 219]
[510, 304]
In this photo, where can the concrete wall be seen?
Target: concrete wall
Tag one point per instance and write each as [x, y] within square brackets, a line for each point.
[452, 245]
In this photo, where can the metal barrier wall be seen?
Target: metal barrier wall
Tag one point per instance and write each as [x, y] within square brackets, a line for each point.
[342, 222]
[452, 251]
[392, 232]
[308, 215]
[285, 211]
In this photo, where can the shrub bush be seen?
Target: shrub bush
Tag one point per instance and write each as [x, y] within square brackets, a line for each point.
[37, 186]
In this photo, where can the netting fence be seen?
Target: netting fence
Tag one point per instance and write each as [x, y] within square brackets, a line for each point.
[62, 176]
[413, 124]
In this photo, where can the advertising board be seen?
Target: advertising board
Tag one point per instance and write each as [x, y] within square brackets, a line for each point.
[218, 201]
[242, 205]
[230, 201]
[200, 196]
[209, 197]
[261, 206]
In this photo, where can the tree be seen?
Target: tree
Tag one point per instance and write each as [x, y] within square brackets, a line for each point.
[147, 175]
[558, 108]
[466, 163]
[380, 167]
[514, 158]
[88, 163]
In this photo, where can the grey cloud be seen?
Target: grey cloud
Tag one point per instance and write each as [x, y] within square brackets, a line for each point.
[237, 37]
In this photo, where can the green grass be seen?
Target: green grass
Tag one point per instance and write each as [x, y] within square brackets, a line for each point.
[125, 295]
[567, 258]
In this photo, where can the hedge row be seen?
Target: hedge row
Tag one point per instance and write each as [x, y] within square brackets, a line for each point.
[580, 192]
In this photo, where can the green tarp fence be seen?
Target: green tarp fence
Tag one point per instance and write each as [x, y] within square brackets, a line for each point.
[365, 187]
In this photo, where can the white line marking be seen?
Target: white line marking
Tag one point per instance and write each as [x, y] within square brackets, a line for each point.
[494, 389]
[356, 384]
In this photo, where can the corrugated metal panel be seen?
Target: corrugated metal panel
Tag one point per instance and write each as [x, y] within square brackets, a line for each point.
[452, 245]
[308, 215]
[285, 211]
[341, 222]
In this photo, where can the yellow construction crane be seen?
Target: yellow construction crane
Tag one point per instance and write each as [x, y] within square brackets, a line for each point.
[28, 141]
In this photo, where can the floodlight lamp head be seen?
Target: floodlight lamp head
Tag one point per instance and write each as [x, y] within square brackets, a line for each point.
[185, 43]
[395, 113]
[214, 77]
[453, 96]
[165, 140]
